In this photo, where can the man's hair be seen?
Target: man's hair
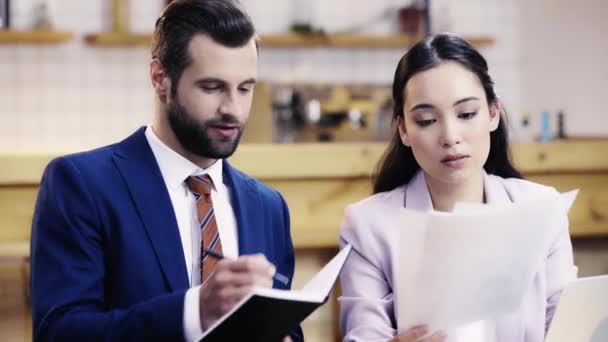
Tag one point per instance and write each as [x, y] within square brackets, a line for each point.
[222, 20]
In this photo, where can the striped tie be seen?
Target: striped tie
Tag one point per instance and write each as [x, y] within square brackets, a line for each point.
[201, 188]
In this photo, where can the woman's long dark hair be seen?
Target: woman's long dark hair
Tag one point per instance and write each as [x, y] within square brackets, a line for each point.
[398, 165]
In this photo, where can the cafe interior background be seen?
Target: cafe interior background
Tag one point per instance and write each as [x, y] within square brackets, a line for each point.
[74, 76]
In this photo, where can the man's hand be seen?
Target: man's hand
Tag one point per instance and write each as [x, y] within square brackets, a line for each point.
[413, 335]
[232, 280]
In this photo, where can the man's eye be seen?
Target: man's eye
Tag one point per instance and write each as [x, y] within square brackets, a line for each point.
[211, 88]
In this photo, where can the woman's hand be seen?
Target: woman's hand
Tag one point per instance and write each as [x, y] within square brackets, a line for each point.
[413, 334]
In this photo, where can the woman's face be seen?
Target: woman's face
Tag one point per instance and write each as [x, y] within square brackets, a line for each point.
[447, 122]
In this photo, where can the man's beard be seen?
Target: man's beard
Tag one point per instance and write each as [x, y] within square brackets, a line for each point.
[194, 136]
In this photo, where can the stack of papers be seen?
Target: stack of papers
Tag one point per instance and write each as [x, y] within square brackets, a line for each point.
[475, 263]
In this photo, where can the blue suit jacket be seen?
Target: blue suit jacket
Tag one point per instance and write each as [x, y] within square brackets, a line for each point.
[107, 259]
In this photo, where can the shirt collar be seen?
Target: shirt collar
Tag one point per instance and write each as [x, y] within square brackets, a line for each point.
[175, 168]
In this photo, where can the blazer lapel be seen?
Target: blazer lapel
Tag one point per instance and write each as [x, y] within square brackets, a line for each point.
[495, 191]
[137, 164]
[417, 195]
[247, 210]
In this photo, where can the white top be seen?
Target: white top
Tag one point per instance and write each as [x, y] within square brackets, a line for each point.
[175, 169]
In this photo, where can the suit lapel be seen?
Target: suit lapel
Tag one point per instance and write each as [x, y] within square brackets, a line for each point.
[247, 210]
[137, 164]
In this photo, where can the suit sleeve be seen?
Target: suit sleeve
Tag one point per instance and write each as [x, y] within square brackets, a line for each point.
[366, 304]
[69, 274]
[289, 260]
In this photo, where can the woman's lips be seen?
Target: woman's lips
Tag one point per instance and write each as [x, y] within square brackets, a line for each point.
[455, 161]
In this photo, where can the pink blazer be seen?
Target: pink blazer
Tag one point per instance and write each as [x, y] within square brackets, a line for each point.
[367, 312]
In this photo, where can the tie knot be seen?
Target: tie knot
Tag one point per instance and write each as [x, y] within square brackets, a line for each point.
[199, 185]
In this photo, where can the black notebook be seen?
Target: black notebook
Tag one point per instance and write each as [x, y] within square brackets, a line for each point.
[271, 314]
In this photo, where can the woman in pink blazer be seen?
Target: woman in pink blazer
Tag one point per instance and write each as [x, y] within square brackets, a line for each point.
[450, 146]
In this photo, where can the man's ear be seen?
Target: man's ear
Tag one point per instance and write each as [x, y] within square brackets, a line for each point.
[160, 80]
[495, 110]
[402, 132]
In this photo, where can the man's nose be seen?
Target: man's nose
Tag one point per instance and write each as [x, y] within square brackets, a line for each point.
[230, 105]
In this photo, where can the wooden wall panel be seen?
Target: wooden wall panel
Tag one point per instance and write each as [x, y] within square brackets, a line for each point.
[317, 206]
[589, 214]
[16, 208]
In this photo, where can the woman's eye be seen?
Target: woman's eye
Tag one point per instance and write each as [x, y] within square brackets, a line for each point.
[467, 115]
[424, 123]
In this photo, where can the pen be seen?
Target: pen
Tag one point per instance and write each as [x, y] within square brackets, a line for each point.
[276, 276]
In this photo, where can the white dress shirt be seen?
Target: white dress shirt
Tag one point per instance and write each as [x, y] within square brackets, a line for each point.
[175, 169]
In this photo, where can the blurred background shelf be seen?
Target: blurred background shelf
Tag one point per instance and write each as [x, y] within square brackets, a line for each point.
[14, 250]
[119, 39]
[293, 40]
[290, 40]
[34, 37]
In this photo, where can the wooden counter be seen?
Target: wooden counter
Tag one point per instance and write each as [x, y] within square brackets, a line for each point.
[319, 180]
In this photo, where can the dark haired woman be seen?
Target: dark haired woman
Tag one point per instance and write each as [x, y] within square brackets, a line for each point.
[450, 146]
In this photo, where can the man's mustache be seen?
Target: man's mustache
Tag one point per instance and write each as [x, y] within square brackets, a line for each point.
[224, 119]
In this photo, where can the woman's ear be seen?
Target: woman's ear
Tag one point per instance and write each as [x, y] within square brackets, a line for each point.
[402, 132]
[495, 110]
[160, 80]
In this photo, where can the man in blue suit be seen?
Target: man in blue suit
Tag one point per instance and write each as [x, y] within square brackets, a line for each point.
[119, 237]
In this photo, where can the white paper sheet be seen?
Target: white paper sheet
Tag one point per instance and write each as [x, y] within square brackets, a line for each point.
[582, 312]
[324, 280]
[475, 263]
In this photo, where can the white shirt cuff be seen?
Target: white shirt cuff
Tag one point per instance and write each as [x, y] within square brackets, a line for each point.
[192, 322]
